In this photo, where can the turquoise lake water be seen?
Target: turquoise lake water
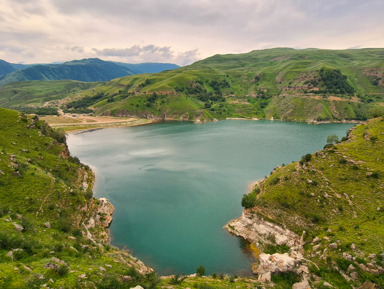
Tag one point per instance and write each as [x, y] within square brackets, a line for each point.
[175, 185]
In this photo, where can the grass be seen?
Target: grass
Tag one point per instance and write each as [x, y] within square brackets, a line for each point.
[40, 182]
[334, 194]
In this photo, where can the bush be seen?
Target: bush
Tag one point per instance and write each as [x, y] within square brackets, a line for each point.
[249, 200]
[332, 139]
[177, 279]
[306, 158]
[200, 271]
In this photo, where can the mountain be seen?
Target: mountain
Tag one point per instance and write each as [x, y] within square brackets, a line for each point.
[283, 83]
[326, 211]
[6, 68]
[89, 70]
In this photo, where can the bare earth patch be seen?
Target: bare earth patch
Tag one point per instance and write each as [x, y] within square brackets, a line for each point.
[84, 122]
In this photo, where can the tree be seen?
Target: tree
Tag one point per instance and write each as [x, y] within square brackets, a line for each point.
[200, 271]
[248, 200]
[332, 139]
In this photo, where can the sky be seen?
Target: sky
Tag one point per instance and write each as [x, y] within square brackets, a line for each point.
[180, 31]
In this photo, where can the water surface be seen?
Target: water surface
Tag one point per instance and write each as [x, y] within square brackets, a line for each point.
[175, 185]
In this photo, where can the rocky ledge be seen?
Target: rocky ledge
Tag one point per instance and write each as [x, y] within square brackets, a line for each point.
[258, 231]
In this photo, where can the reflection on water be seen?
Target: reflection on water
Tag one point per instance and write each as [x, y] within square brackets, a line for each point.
[175, 185]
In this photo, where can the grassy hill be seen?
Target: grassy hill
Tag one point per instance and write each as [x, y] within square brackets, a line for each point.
[336, 196]
[52, 229]
[310, 85]
[32, 96]
[301, 85]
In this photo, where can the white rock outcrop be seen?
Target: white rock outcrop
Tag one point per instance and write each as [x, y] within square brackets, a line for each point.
[255, 229]
[275, 263]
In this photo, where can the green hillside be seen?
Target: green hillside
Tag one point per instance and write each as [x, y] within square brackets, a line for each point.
[297, 85]
[336, 196]
[301, 85]
[33, 96]
[46, 236]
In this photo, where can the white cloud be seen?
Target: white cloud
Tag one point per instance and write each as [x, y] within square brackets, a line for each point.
[180, 31]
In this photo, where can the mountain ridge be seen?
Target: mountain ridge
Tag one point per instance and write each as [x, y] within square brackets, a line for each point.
[89, 70]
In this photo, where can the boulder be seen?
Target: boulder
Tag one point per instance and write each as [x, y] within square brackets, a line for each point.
[127, 278]
[18, 227]
[47, 225]
[316, 247]
[51, 266]
[351, 268]
[57, 260]
[347, 256]
[275, 263]
[368, 285]
[301, 285]
[137, 287]
[265, 277]
[315, 240]
[10, 255]
[333, 246]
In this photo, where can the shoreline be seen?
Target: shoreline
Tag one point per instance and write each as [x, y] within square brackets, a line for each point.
[82, 124]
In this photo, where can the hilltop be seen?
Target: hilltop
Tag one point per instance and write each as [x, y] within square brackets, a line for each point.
[326, 211]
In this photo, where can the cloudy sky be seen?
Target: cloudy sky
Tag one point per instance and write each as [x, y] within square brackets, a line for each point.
[180, 31]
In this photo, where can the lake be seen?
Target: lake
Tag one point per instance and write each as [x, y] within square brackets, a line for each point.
[175, 185]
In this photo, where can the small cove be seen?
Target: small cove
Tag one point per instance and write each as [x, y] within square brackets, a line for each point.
[175, 185]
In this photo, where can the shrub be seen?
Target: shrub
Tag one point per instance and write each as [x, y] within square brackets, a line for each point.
[306, 158]
[177, 279]
[200, 271]
[332, 139]
[62, 270]
[249, 200]
[275, 181]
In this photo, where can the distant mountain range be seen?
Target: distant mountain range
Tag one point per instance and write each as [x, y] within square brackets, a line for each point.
[89, 70]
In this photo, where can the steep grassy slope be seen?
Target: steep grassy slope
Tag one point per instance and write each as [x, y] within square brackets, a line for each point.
[282, 83]
[337, 196]
[51, 229]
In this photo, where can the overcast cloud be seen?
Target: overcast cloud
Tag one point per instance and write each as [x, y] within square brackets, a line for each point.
[37, 31]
